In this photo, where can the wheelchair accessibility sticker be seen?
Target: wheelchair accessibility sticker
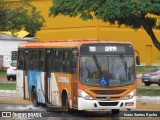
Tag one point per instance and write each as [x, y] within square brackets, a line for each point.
[104, 81]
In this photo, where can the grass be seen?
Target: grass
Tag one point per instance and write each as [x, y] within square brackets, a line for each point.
[7, 86]
[143, 69]
[3, 73]
[148, 92]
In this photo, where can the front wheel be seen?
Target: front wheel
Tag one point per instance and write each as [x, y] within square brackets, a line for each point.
[115, 111]
[147, 84]
[34, 98]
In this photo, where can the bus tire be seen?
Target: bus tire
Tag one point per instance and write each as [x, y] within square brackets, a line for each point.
[147, 84]
[65, 104]
[34, 98]
[115, 111]
[159, 82]
[8, 78]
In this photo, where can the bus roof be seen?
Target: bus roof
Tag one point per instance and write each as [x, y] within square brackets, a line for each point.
[62, 44]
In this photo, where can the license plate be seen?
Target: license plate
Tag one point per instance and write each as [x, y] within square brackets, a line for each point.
[145, 80]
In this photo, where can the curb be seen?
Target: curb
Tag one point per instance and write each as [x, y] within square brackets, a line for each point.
[9, 93]
[139, 76]
[149, 98]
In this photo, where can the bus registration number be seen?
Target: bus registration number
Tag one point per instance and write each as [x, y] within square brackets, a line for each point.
[63, 79]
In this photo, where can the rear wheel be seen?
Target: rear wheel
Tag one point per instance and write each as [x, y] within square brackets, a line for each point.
[34, 98]
[8, 78]
[65, 104]
[147, 84]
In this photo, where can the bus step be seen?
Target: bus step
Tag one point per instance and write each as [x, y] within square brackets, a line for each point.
[53, 107]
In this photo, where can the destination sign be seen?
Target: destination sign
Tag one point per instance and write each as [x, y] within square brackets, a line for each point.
[106, 48]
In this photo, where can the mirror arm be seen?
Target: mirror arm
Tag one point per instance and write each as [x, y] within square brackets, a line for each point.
[136, 51]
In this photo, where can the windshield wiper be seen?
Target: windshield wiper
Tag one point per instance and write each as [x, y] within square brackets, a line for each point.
[97, 64]
[125, 64]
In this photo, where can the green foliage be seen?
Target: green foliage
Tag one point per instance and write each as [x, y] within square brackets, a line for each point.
[144, 69]
[18, 15]
[131, 13]
[127, 12]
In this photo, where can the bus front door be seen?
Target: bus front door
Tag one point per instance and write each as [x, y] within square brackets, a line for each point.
[26, 81]
[48, 77]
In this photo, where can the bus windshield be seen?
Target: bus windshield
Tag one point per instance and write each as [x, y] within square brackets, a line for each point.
[118, 70]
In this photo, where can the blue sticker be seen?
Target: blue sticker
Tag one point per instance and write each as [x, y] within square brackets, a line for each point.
[104, 81]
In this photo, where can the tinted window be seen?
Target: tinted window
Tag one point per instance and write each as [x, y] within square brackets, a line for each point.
[42, 57]
[58, 61]
[67, 56]
[21, 59]
[34, 59]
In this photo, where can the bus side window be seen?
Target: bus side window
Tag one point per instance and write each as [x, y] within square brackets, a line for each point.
[41, 65]
[67, 57]
[27, 62]
[58, 60]
[20, 60]
[74, 60]
[35, 59]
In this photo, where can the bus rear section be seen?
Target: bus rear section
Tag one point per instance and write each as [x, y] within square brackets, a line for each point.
[78, 75]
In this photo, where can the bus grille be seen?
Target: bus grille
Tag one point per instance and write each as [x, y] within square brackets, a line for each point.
[108, 92]
[108, 103]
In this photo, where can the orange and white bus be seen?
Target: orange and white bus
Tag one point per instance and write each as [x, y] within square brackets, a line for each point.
[81, 75]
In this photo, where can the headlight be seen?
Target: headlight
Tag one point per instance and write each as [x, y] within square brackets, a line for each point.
[84, 95]
[130, 95]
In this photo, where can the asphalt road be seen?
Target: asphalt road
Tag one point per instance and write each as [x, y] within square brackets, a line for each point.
[44, 113]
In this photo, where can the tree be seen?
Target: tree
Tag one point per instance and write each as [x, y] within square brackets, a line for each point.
[19, 15]
[131, 13]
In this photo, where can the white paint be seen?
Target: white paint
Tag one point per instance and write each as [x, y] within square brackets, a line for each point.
[54, 91]
[63, 79]
[92, 48]
[26, 88]
[84, 104]
[149, 98]
[110, 48]
[40, 87]
[19, 83]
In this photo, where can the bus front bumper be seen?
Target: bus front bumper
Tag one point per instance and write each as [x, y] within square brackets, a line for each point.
[84, 104]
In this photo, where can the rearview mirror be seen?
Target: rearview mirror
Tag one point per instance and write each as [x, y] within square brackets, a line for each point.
[137, 60]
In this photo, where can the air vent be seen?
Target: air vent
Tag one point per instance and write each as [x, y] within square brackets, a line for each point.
[108, 103]
[108, 92]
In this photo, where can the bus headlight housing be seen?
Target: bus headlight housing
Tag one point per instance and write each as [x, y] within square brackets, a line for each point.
[130, 95]
[84, 95]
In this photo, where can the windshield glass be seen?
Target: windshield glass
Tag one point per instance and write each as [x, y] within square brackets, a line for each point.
[108, 71]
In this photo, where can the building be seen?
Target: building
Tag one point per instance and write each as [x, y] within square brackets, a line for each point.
[8, 49]
[65, 28]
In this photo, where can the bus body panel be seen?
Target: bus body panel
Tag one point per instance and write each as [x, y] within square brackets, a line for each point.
[53, 84]
[26, 88]
[54, 97]
[36, 79]
[106, 105]
[64, 83]
[19, 83]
